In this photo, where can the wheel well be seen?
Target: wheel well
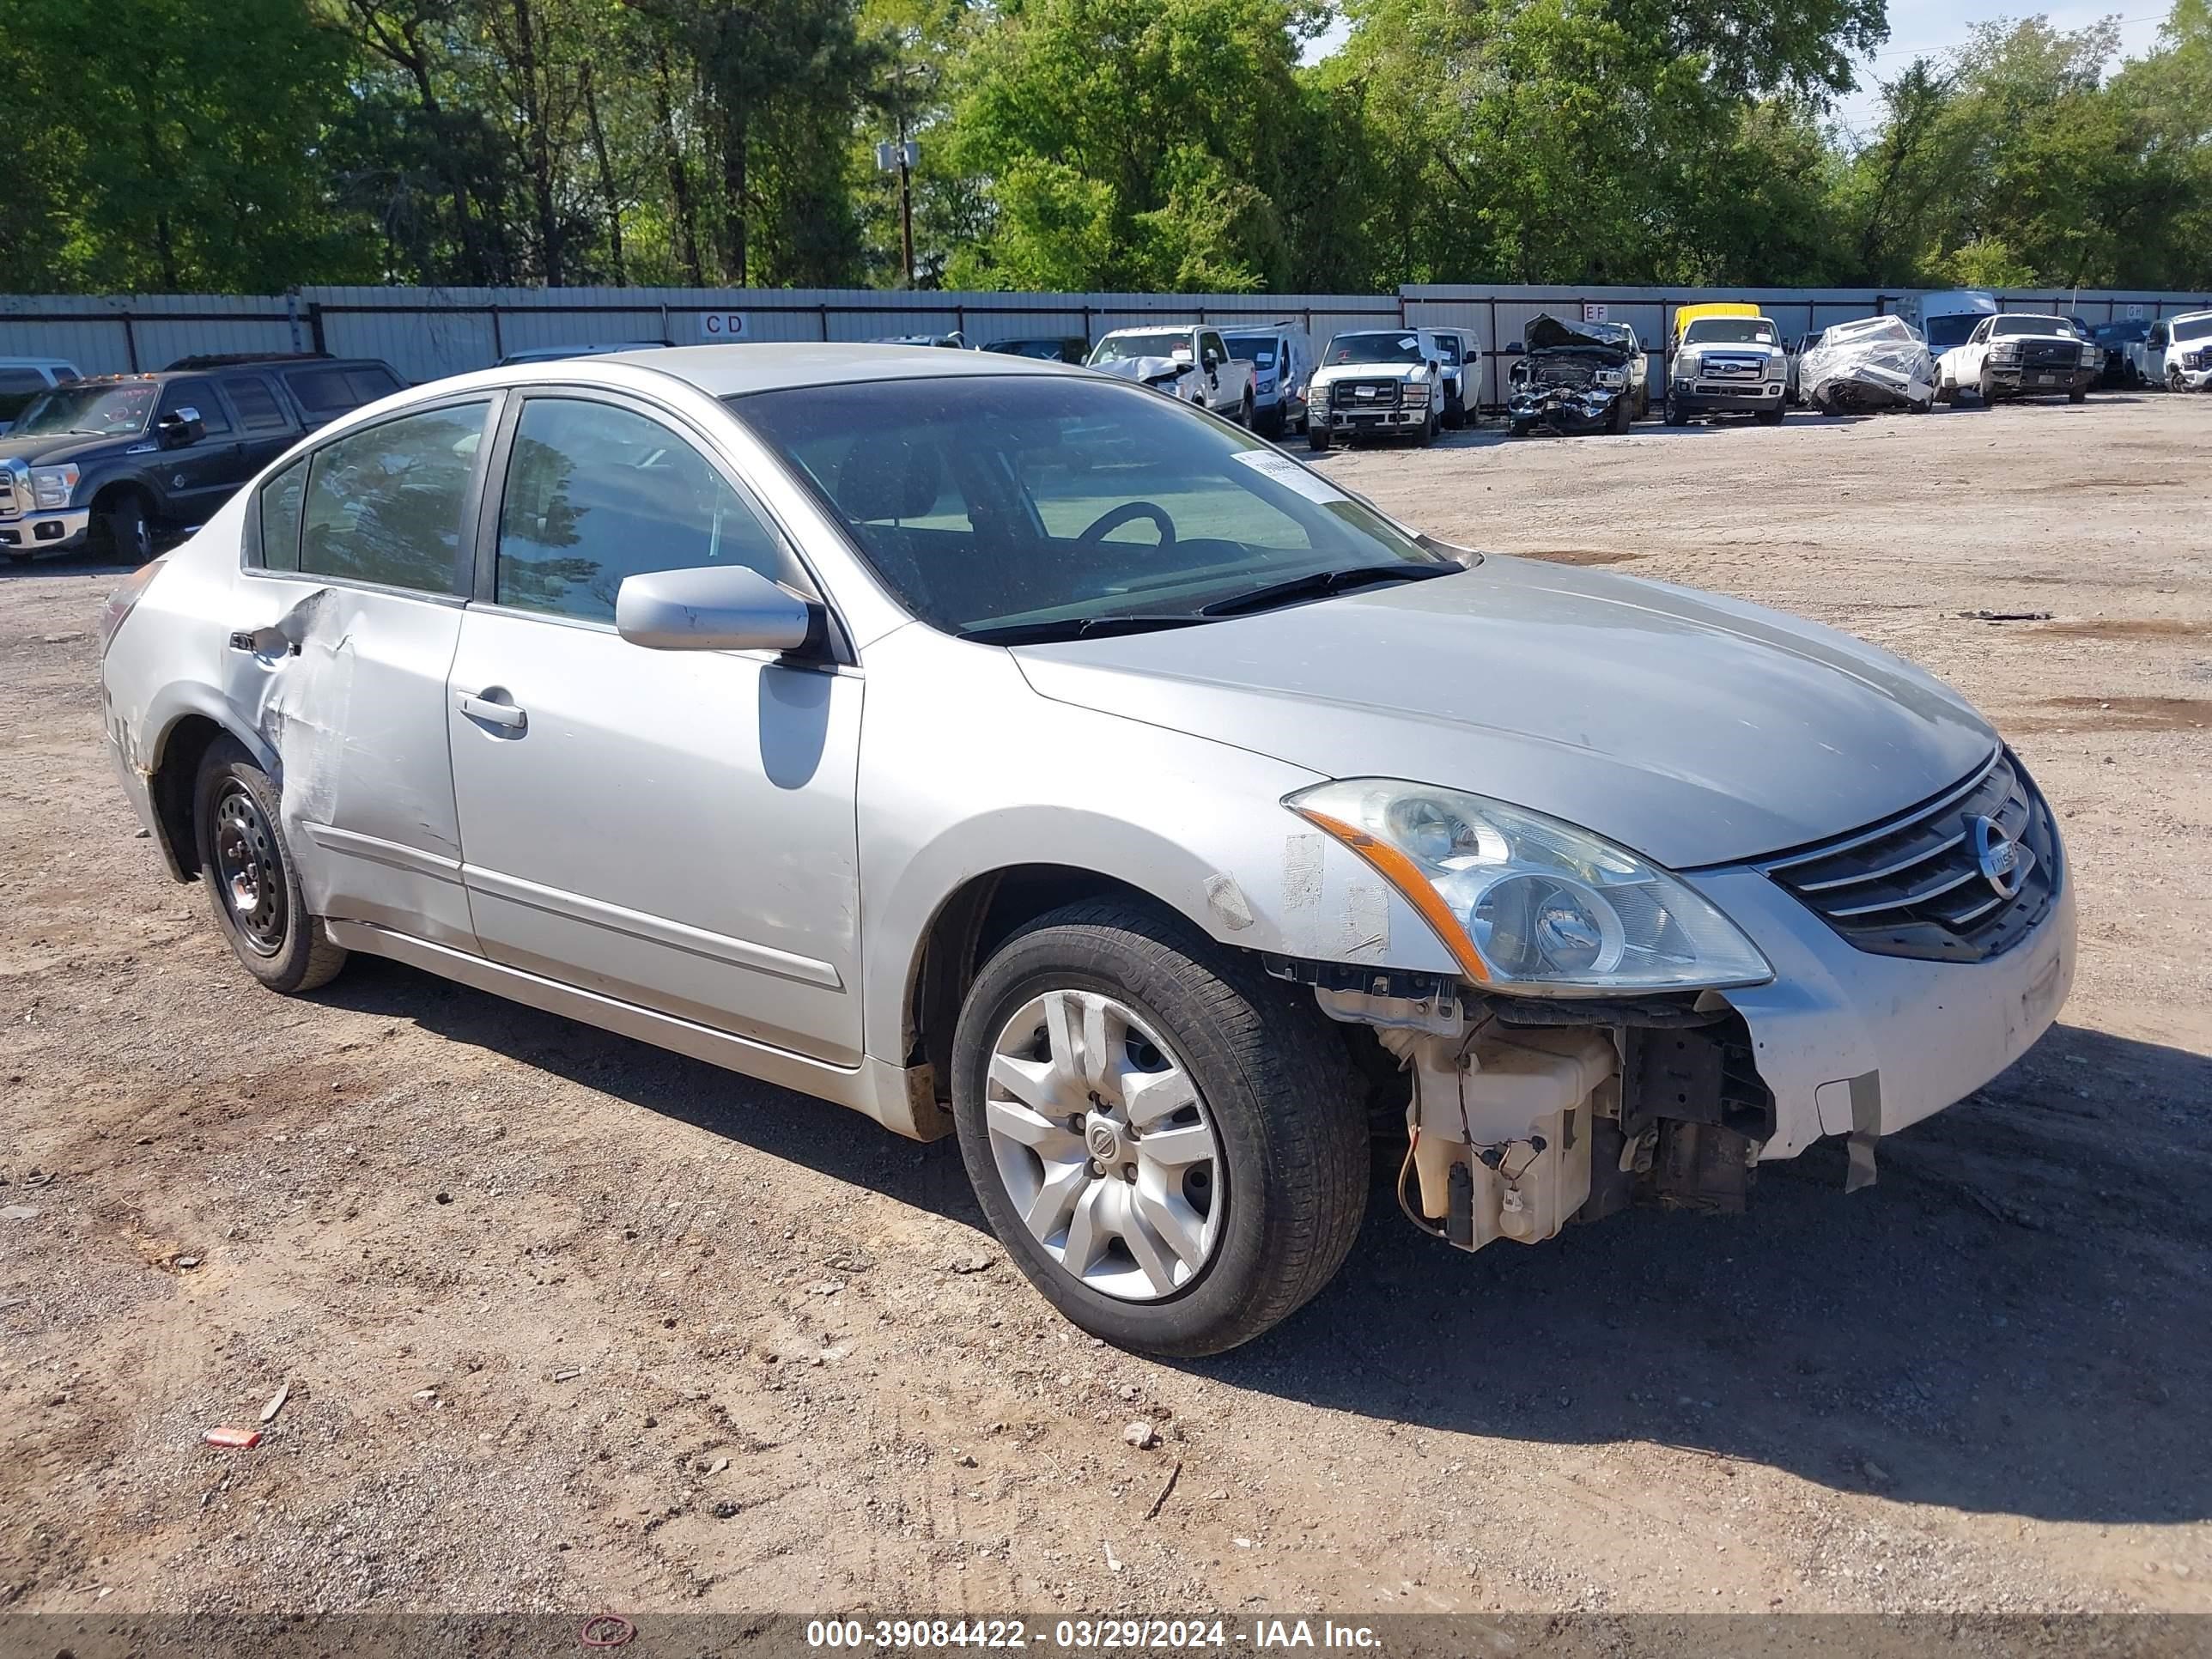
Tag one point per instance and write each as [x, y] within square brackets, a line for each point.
[113, 494]
[973, 923]
[174, 782]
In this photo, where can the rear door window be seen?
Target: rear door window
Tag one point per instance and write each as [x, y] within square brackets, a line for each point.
[385, 504]
[255, 400]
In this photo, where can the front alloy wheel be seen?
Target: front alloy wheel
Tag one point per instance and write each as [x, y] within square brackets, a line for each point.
[1170, 1145]
[1103, 1144]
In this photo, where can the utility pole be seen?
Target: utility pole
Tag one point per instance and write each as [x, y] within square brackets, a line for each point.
[909, 153]
[902, 156]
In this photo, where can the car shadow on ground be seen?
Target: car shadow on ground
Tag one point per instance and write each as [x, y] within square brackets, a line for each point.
[2013, 1321]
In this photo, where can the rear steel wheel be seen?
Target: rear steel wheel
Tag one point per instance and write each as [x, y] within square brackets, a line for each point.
[248, 871]
[1104, 1145]
[246, 866]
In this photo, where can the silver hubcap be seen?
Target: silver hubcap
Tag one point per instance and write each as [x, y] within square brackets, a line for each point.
[1103, 1144]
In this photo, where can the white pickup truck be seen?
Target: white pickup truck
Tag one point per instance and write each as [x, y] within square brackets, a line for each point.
[2020, 355]
[1189, 362]
[2177, 353]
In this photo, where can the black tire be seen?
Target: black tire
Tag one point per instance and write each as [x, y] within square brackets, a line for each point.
[1674, 415]
[1454, 413]
[1769, 416]
[1427, 434]
[1518, 428]
[2079, 395]
[236, 823]
[1617, 422]
[1317, 436]
[1244, 413]
[1288, 1112]
[122, 529]
[1274, 423]
[1987, 392]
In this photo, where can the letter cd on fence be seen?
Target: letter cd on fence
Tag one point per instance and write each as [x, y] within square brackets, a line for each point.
[720, 327]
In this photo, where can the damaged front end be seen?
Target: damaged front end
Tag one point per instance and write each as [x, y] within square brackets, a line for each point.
[1525, 1114]
[1573, 380]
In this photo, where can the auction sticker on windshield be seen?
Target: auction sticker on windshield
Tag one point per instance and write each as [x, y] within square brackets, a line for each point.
[1288, 473]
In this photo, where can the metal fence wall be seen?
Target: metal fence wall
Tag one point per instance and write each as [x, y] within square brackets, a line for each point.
[428, 332]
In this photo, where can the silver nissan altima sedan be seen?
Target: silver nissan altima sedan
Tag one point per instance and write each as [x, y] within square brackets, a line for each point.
[1006, 751]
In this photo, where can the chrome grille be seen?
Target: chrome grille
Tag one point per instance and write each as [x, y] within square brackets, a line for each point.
[1380, 394]
[11, 506]
[1913, 885]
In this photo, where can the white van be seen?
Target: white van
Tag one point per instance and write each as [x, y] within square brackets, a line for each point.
[1948, 319]
[1282, 363]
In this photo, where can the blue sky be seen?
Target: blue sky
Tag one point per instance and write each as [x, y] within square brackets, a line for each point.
[1930, 27]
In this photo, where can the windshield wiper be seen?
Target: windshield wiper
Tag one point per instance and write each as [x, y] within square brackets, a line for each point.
[1322, 583]
[1074, 628]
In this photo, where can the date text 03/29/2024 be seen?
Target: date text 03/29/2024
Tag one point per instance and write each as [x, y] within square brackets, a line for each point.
[1088, 1635]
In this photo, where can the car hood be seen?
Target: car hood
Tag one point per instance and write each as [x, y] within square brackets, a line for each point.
[1141, 369]
[56, 448]
[1370, 372]
[1547, 334]
[1694, 729]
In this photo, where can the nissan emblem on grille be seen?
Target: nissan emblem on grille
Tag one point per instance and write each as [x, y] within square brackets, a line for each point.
[2004, 862]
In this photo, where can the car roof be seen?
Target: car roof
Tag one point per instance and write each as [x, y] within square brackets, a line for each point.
[731, 371]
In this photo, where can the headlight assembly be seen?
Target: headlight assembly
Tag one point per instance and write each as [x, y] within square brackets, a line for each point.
[53, 486]
[1527, 904]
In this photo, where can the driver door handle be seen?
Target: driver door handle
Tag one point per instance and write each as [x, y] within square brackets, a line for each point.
[494, 713]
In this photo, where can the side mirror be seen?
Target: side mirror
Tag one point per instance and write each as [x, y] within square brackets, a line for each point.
[714, 608]
[1516, 349]
[178, 427]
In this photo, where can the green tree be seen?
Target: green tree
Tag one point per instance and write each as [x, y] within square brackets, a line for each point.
[1128, 144]
[173, 158]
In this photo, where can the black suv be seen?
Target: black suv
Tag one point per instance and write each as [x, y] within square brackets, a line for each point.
[114, 461]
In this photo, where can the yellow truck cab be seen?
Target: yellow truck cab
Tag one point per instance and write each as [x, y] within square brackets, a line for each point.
[1725, 358]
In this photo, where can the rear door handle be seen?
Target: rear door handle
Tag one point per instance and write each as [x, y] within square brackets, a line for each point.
[493, 713]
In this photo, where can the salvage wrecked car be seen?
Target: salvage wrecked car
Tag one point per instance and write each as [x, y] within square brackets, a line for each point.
[1875, 364]
[1002, 751]
[1576, 377]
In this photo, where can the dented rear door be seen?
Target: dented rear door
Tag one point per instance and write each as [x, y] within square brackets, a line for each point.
[343, 668]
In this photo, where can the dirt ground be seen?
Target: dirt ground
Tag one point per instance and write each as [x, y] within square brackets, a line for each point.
[570, 1323]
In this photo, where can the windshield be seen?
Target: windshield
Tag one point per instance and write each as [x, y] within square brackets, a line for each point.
[1258, 348]
[2121, 333]
[1731, 331]
[1944, 332]
[2192, 328]
[104, 411]
[1040, 505]
[2029, 324]
[1394, 346]
[1126, 348]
